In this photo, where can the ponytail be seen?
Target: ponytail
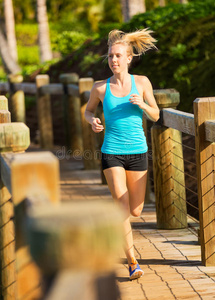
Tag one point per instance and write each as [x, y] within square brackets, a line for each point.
[140, 40]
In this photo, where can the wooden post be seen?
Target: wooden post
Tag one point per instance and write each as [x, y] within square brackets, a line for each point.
[148, 185]
[27, 175]
[89, 140]
[72, 114]
[168, 168]
[16, 99]
[8, 282]
[204, 110]
[44, 113]
[7, 246]
[63, 238]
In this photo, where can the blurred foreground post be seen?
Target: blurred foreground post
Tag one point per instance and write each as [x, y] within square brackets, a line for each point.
[76, 246]
[168, 168]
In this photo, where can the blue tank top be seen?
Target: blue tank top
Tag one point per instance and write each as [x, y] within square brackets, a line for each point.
[123, 124]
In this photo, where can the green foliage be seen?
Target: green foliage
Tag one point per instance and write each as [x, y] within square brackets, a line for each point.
[26, 34]
[28, 55]
[68, 41]
[186, 54]
[89, 59]
[171, 16]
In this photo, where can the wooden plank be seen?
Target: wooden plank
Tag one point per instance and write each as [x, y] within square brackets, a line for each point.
[204, 110]
[179, 120]
[4, 87]
[210, 131]
[57, 89]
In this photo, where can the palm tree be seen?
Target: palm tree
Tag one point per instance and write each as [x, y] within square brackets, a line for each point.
[131, 8]
[10, 28]
[9, 63]
[43, 36]
[162, 2]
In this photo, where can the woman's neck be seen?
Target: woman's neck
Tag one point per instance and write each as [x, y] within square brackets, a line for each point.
[121, 78]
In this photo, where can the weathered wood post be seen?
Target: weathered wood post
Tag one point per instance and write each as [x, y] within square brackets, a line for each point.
[44, 113]
[28, 175]
[204, 110]
[64, 238]
[7, 236]
[89, 140]
[16, 99]
[168, 168]
[72, 114]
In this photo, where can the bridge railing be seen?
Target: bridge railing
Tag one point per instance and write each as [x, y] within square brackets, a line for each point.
[49, 249]
[167, 152]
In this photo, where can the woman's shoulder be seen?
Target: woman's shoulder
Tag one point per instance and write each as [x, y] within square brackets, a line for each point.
[141, 79]
[100, 86]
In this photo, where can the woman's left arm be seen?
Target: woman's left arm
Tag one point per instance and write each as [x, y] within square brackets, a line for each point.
[147, 103]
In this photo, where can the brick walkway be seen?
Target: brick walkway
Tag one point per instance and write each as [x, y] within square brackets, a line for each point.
[170, 259]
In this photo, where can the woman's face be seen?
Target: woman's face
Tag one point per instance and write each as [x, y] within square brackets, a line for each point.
[118, 58]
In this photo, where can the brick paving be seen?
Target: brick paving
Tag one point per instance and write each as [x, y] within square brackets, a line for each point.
[171, 259]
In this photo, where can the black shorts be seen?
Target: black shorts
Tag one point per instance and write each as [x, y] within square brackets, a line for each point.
[131, 162]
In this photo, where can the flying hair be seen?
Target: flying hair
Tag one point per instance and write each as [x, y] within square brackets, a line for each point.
[140, 40]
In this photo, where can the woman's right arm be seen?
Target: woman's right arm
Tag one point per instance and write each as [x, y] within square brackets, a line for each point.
[91, 108]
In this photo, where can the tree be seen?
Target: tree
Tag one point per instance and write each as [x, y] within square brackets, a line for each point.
[131, 8]
[9, 64]
[10, 28]
[183, 1]
[162, 2]
[43, 36]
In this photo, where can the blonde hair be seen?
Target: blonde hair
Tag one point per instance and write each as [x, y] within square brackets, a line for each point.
[140, 40]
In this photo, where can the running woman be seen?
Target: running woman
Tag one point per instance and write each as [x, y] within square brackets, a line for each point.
[124, 151]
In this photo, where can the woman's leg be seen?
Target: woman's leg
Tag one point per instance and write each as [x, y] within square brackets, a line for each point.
[116, 179]
[136, 184]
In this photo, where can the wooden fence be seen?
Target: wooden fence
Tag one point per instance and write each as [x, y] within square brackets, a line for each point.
[168, 162]
[50, 250]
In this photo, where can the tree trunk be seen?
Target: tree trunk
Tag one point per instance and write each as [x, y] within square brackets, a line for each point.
[162, 3]
[44, 39]
[131, 8]
[10, 28]
[10, 65]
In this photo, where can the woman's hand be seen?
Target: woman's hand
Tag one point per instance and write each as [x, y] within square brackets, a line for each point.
[96, 127]
[138, 100]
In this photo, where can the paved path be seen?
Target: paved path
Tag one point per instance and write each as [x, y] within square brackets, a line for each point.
[171, 259]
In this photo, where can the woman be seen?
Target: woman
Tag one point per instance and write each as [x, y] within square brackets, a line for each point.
[124, 151]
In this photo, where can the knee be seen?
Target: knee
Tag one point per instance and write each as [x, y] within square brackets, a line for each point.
[136, 212]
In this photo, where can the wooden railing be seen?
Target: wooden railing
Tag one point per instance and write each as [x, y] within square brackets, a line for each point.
[168, 162]
[168, 167]
[48, 249]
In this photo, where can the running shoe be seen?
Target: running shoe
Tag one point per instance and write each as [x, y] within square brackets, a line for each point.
[134, 270]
